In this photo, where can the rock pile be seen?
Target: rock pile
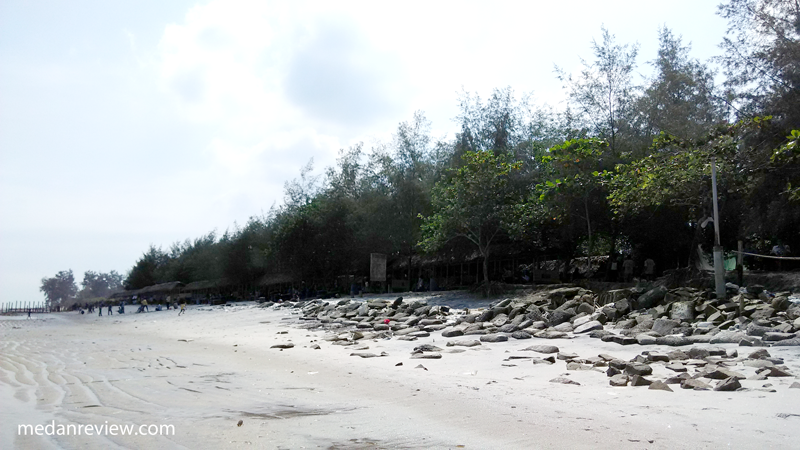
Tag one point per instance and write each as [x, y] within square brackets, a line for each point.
[674, 317]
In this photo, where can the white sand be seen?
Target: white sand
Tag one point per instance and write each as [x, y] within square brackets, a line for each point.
[134, 369]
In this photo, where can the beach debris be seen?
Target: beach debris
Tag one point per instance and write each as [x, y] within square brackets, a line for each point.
[421, 367]
[241, 422]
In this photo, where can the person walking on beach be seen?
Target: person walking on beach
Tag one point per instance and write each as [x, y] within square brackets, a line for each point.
[29, 313]
[144, 305]
[183, 307]
[100, 310]
[109, 309]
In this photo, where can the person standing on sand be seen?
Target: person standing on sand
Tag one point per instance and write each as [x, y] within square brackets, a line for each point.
[100, 310]
[109, 309]
[144, 305]
[29, 313]
[183, 307]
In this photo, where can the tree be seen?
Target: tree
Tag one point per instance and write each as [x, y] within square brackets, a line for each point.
[603, 92]
[98, 284]
[476, 203]
[148, 270]
[60, 288]
[573, 188]
[762, 59]
[681, 98]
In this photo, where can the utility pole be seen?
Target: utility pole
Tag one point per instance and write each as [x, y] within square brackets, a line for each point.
[719, 268]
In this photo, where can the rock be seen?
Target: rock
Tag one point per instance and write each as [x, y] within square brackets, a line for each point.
[547, 361]
[728, 384]
[654, 356]
[697, 353]
[551, 335]
[759, 354]
[676, 367]
[585, 308]
[788, 342]
[755, 289]
[426, 356]
[723, 374]
[780, 303]
[674, 341]
[678, 379]
[463, 343]
[564, 380]
[618, 380]
[485, 316]
[427, 348]
[565, 327]
[638, 380]
[660, 386]
[748, 341]
[589, 326]
[368, 355]
[566, 356]
[419, 334]
[577, 366]
[795, 385]
[682, 311]
[282, 346]
[638, 369]
[728, 337]
[507, 328]
[646, 339]
[494, 338]
[500, 320]
[315, 347]
[611, 371]
[762, 313]
[651, 298]
[778, 372]
[559, 316]
[664, 326]
[541, 349]
[677, 355]
[774, 336]
[520, 335]
[697, 385]
[453, 332]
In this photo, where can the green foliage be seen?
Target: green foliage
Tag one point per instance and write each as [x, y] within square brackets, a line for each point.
[99, 284]
[60, 288]
[789, 154]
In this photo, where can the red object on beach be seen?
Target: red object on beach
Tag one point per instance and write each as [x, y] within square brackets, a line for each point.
[386, 321]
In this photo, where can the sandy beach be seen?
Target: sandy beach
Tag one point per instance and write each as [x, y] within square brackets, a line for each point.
[213, 367]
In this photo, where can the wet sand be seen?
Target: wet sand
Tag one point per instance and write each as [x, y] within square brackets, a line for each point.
[205, 371]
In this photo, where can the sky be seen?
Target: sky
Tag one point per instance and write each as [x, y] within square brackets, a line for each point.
[138, 123]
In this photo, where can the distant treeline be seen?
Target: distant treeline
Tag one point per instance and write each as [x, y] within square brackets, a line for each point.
[625, 167]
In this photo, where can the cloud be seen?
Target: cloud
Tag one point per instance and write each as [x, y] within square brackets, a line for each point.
[337, 77]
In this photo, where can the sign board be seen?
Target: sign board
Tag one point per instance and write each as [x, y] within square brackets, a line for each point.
[377, 267]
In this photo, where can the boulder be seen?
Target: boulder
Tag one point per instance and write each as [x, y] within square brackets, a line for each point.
[664, 326]
[453, 332]
[728, 384]
[660, 386]
[618, 380]
[589, 326]
[651, 298]
[494, 338]
[682, 311]
[541, 349]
